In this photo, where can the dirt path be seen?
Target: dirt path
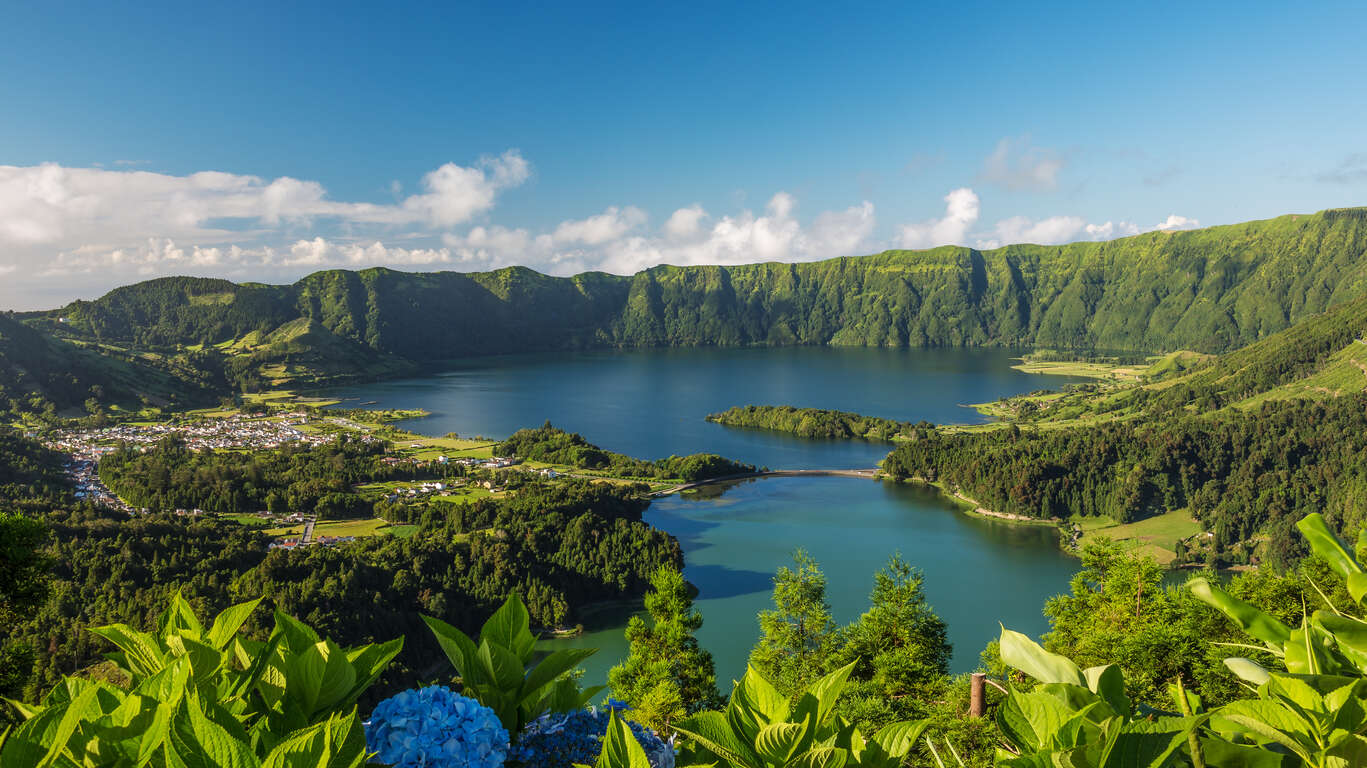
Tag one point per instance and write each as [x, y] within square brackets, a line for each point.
[981, 510]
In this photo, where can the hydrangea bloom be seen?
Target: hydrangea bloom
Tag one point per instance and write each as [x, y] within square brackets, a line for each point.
[561, 739]
[438, 728]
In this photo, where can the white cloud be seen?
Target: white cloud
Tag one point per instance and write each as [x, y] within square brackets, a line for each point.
[961, 213]
[455, 194]
[1017, 165]
[685, 223]
[1177, 222]
[609, 225]
[67, 208]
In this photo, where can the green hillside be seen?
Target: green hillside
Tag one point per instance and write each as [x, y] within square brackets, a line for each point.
[40, 373]
[1208, 290]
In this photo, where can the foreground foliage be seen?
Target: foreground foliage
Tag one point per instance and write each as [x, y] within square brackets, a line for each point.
[760, 728]
[495, 670]
[207, 696]
[667, 675]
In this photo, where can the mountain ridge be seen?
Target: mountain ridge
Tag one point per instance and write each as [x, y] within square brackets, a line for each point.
[1208, 290]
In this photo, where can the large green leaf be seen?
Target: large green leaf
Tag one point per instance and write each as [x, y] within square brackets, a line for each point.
[620, 747]
[509, 626]
[227, 623]
[1219, 753]
[141, 653]
[1248, 670]
[83, 707]
[1251, 620]
[304, 677]
[754, 704]
[1022, 653]
[897, 739]
[180, 619]
[552, 667]
[827, 690]
[1150, 744]
[205, 660]
[335, 743]
[500, 665]
[822, 757]
[298, 636]
[712, 731]
[1266, 721]
[1324, 543]
[1349, 633]
[339, 677]
[370, 661]
[778, 743]
[196, 741]
[138, 727]
[1108, 682]
[458, 647]
[1031, 721]
[168, 685]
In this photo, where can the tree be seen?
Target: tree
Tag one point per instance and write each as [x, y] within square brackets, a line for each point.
[899, 648]
[23, 566]
[666, 675]
[798, 636]
[23, 586]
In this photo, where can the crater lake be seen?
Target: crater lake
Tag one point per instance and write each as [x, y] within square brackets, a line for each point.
[653, 403]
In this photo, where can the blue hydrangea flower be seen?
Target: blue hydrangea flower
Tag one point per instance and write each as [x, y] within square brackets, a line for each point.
[562, 739]
[435, 727]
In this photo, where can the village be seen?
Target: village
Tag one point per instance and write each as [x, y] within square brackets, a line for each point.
[471, 476]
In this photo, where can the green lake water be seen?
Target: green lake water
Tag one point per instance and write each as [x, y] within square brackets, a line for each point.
[652, 403]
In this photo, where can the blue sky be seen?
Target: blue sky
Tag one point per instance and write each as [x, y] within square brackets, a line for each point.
[616, 136]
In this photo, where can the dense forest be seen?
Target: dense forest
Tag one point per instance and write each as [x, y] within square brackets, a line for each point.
[556, 446]
[562, 546]
[1240, 473]
[816, 423]
[303, 479]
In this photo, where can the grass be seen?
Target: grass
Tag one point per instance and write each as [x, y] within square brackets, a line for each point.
[357, 528]
[1080, 369]
[251, 521]
[1153, 536]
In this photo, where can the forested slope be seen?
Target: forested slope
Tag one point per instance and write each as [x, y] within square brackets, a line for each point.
[1248, 442]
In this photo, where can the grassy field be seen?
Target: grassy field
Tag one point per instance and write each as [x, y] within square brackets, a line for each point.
[1105, 371]
[358, 528]
[1154, 536]
[285, 398]
[251, 521]
[428, 448]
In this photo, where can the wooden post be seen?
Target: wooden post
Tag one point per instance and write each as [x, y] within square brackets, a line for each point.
[977, 694]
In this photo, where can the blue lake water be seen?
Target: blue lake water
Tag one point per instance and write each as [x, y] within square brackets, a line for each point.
[652, 403]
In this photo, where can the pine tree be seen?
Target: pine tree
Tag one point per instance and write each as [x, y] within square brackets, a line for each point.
[798, 636]
[900, 649]
[666, 675]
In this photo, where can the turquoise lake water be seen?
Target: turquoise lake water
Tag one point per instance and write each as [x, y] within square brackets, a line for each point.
[652, 403]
